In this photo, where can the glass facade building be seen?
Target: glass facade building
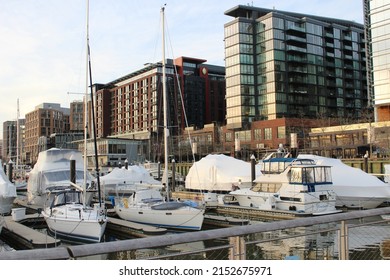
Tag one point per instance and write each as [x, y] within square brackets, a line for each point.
[281, 64]
[377, 22]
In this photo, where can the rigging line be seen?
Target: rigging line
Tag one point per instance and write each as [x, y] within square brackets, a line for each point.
[180, 91]
[183, 107]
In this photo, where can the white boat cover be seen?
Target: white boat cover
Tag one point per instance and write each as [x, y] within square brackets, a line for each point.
[134, 174]
[345, 176]
[7, 189]
[53, 169]
[220, 173]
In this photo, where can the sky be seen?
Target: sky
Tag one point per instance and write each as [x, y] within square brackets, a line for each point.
[43, 43]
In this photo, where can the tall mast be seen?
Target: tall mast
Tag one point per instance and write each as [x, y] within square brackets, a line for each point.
[165, 105]
[17, 136]
[86, 104]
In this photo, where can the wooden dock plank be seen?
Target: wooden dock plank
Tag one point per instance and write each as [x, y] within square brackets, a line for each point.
[30, 237]
[127, 226]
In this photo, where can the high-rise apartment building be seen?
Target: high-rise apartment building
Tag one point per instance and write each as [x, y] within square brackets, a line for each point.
[377, 23]
[13, 141]
[46, 119]
[282, 64]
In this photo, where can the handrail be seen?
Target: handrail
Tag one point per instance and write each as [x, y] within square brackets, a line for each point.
[78, 251]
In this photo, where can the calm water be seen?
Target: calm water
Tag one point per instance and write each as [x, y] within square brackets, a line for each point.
[370, 242]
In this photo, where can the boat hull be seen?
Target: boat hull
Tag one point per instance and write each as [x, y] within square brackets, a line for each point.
[360, 202]
[187, 218]
[86, 227]
[6, 204]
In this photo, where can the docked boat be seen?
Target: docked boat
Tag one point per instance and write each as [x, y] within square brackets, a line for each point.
[52, 172]
[147, 205]
[219, 173]
[122, 179]
[354, 188]
[290, 184]
[68, 217]
[7, 193]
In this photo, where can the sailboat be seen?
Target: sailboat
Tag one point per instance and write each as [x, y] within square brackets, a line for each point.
[148, 205]
[69, 216]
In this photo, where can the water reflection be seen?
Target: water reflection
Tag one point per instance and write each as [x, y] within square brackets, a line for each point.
[319, 242]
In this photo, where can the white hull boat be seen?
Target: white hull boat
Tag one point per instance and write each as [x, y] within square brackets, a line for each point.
[300, 186]
[147, 206]
[68, 218]
[354, 188]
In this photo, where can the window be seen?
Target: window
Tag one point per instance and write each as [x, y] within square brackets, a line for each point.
[281, 132]
[267, 133]
[257, 134]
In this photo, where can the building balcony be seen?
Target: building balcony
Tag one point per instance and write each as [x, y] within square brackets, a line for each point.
[295, 38]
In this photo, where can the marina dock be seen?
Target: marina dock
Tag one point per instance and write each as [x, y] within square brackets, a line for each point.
[26, 236]
[134, 229]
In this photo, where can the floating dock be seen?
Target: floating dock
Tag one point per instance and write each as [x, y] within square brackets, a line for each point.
[222, 221]
[254, 213]
[24, 235]
[135, 229]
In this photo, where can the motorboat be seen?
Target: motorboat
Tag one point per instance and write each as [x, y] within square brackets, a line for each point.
[289, 184]
[148, 205]
[354, 188]
[69, 218]
[7, 193]
[52, 170]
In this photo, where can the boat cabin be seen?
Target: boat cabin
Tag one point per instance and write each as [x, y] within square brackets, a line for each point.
[67, 197]
[279, 165]
[310, 175]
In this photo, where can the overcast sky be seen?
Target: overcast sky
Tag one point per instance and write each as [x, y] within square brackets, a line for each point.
[42, 42]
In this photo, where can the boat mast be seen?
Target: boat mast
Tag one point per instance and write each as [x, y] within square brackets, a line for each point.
[93, 120]
[165, 106]
[17, 137]
[86, 106]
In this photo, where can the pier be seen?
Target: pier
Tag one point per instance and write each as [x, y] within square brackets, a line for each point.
[15, 232]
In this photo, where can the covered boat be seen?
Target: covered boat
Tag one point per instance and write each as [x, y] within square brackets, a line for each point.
[52, 171]
[120, 179]
[7, 193]
[219, 173]
[354, 188]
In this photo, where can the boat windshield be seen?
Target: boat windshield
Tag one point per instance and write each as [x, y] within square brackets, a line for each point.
[278, 165]
[310, 175]
[62, 175]
[67, 198]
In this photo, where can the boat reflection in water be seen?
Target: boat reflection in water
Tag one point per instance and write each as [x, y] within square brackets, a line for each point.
[318, 242]
[303, 243]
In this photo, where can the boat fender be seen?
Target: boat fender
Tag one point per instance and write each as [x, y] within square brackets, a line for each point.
[125, 203]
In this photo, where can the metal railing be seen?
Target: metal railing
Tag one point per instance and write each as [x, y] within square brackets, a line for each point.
[240, 242]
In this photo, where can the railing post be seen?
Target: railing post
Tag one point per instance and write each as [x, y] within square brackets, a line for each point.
[238, 249]
[343, 241]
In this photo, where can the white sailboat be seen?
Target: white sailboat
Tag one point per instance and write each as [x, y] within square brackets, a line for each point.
[147, 205]
[69, 216]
